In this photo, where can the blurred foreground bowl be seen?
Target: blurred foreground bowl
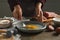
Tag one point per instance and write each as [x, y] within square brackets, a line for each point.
[5, 23]
[56, 21]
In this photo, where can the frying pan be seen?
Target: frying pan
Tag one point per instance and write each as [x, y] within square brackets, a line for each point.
[41, 26]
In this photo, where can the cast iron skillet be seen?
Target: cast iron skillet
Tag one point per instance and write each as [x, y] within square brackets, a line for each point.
[41, 26]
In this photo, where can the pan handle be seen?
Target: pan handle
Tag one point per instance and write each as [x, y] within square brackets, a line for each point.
[44, 27]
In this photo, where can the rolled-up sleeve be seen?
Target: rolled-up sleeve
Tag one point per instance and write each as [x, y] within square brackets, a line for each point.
[41, 1]
[12, 3]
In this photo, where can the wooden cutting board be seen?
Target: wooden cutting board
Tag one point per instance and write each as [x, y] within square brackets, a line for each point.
[11, 38]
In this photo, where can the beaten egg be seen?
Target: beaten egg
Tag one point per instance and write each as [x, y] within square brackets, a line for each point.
[31, 26]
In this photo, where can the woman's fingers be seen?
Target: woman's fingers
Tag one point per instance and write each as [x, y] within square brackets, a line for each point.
[51, 14]
[15, 15]
[19, 16]
[44, 18]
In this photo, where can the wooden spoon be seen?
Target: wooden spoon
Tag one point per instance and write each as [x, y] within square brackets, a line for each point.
[48, 20]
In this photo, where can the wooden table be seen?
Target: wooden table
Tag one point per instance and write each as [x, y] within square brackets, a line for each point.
[11, 38]
[41, 36]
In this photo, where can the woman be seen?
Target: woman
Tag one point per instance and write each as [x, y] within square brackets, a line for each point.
[30, 8]
[27, 8]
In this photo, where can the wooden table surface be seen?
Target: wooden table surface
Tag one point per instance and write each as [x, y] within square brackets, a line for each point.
[11, 38]
[41, 36]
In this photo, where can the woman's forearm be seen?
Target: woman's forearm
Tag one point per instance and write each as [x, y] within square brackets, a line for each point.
[38, 8]
[39, 12]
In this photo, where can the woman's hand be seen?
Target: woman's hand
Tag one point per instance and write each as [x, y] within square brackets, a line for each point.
[51, 14]
[40, 17]
[43, 19]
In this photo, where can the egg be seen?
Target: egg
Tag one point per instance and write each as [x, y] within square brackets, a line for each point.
[30, 26]
[58, 30]
[50, 28]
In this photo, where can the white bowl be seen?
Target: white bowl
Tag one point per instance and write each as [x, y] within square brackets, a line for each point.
[56, 21]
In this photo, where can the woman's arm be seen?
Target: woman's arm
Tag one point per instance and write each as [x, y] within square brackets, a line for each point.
[17, 12]
[39, 13]
[38, 8]
[15, 8]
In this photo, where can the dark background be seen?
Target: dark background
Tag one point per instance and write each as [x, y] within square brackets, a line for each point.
[51, 5]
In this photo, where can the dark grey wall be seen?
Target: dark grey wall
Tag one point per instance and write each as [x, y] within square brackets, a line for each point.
[51, 5]
[4, 8]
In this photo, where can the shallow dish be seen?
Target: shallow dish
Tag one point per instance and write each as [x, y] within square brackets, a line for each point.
[4, 23]
[40, 26]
